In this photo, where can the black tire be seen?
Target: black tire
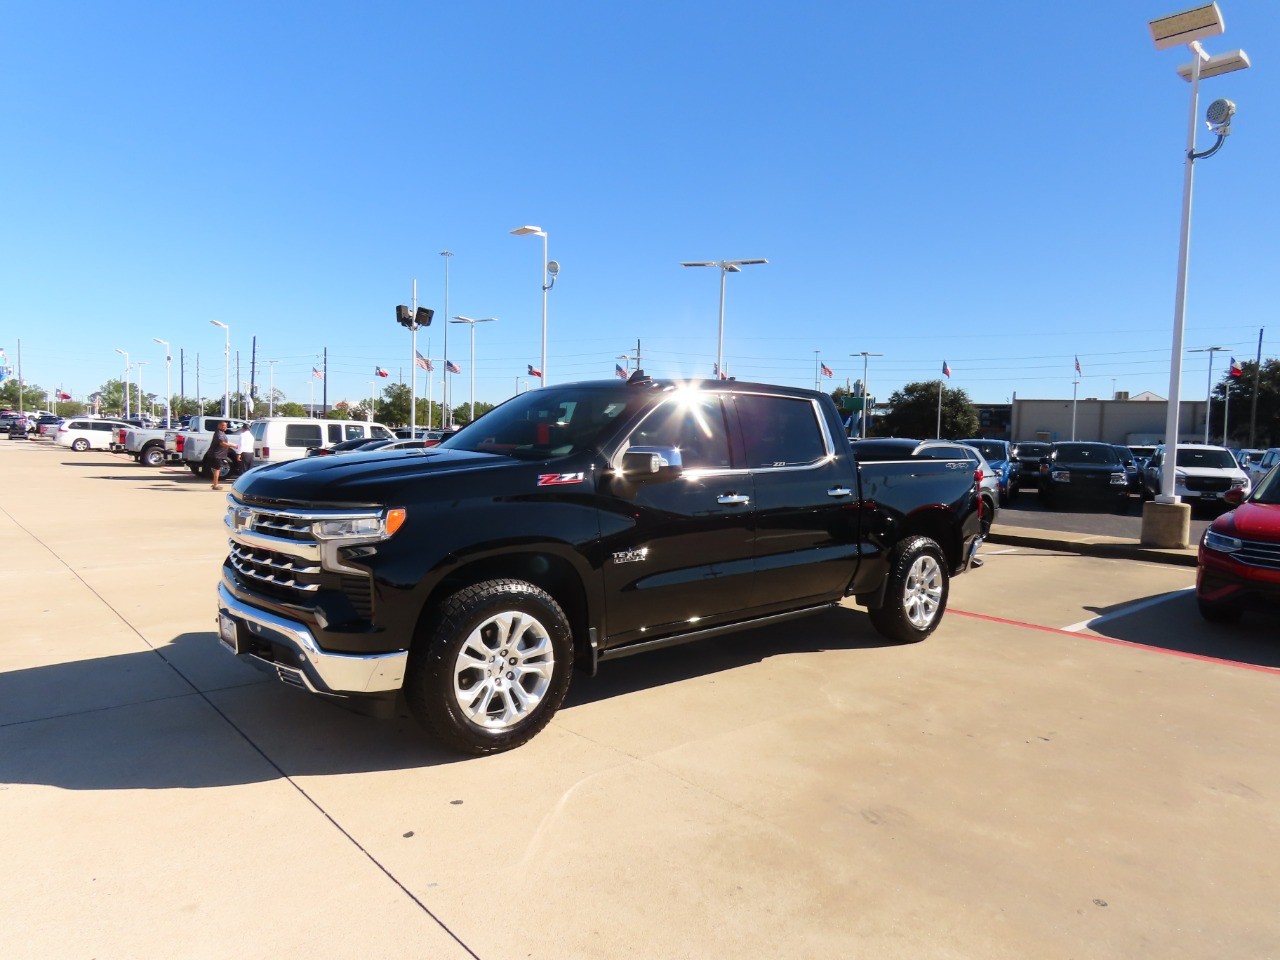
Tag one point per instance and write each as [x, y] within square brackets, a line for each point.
[194, 468]
[1122, 505]
[80, 445]
[916, 595]
[988, 516]
[1218, 612]
[457, 661]
[152, 457]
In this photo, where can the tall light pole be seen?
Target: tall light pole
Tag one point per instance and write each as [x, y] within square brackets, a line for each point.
[168, 392]
[373, 392]
[271, 388]
[140, 364]
[550, 270]
[1166, 521]
[472, 323]
[1208, 396]
[866, 393]
[446, 412]
[226, 369]
[726, 267]
[125, 381]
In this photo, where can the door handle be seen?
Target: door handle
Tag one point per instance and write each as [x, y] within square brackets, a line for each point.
[732, 498]
[839, 492]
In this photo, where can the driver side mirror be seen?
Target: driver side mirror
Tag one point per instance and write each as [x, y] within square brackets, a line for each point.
[652, 463]
[1234, 497]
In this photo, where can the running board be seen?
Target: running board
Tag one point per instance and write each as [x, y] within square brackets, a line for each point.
[644, 646]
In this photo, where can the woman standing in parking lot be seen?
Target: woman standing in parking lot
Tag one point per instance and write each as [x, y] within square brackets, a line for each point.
[220, 452]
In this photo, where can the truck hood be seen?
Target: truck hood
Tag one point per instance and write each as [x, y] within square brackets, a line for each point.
[360, 477]
[1252, 521]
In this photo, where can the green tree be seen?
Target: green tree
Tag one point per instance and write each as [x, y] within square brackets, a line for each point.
[1240, 415]
[914, 413]
[32, 394]
[288, 408]
[341, 411]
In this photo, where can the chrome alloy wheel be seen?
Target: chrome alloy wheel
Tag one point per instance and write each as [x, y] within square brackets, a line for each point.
[503, 670]
[923, 593]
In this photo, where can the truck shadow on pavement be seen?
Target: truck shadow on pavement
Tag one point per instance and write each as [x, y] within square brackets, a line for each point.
[1176, 625]
[188, 716]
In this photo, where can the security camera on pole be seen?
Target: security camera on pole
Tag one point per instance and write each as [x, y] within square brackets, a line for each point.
[1166, 521]
[413, 318]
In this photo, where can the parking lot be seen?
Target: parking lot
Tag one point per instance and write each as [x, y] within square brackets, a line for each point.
[1074, 765]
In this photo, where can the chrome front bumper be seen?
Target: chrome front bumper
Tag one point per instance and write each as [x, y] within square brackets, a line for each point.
[335, 674]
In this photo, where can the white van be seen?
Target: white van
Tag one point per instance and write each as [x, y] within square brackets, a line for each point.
[289, 438]
[86, 433]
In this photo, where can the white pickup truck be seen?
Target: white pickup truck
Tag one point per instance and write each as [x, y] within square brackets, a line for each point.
[191, 443]
[147, 445]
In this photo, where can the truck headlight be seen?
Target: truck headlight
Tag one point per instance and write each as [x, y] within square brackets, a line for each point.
[360, 528]
[1118, 480]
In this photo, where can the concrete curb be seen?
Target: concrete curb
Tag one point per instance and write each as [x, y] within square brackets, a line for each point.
[1089, 545]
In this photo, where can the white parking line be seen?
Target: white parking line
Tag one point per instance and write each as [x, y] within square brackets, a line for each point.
[996, 553]
[1125, 611]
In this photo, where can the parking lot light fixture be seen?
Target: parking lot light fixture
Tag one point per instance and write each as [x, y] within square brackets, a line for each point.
[124, 383]
[726, 267]
[1188, 27]
[1208, 397]
[550, 270]
[226, 368]
[168, 402]
[862, 432]
[473, 323]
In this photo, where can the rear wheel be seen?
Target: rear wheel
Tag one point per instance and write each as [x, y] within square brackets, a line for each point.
[916, 594]
[988, 516]
[491, 668]
[152, 456]
[80, 445]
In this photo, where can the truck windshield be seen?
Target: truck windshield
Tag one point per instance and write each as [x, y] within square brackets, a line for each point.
[542, 424]
[1217, 458]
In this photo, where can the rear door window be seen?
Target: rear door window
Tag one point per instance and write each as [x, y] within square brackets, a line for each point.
[302, 435]
[353, 432]
[779, 431]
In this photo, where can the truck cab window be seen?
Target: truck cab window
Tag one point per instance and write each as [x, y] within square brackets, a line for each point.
[780, 431]
[695, 426]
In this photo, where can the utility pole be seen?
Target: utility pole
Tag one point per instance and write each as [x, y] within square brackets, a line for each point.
[1253, 415]
[182, 376]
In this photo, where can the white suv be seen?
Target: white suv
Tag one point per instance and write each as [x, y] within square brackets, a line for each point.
[289, 438]
[1202, 475]
[1260, 469]
[81, 433]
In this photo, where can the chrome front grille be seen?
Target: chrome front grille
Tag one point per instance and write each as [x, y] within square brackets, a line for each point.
[276, 569]
[1259, 554]
[281, 525]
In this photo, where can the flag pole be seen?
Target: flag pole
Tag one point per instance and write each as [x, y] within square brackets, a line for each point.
[939, 437]
[1075, 384]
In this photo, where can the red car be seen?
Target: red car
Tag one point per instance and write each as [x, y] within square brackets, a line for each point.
[1239, 561]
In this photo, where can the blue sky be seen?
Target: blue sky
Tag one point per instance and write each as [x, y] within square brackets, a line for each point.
[983, 184]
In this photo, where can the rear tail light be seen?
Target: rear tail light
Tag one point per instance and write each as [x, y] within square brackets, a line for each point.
[179, 443]
[266, 453]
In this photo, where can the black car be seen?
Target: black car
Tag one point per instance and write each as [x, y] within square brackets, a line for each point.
[1082, 472]
[347, 446]
[1029, 454]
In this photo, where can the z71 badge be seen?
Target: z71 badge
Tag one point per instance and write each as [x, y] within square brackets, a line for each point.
[559, 479]
[631, 556]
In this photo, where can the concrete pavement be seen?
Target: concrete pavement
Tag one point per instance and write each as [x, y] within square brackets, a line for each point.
[1073, 765]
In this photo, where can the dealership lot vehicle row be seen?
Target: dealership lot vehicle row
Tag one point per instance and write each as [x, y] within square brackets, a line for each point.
[1005, 789]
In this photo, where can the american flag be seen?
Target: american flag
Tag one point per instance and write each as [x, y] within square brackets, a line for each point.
[317, 374]
[534, 373]
[421, 362]
[619, 372]
[827, 371]
[452, 367]
[1079, 372]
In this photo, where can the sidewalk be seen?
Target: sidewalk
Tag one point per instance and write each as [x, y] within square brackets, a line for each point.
[1121, 548]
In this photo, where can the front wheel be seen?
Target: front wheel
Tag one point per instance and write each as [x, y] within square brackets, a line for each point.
[80, 445]
[916, 594]
[491, 668]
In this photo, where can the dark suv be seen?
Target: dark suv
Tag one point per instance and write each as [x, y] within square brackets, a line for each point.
[1028, 454]
[1081, 472]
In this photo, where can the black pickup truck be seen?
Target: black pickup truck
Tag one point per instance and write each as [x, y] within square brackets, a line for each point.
[573, 525]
